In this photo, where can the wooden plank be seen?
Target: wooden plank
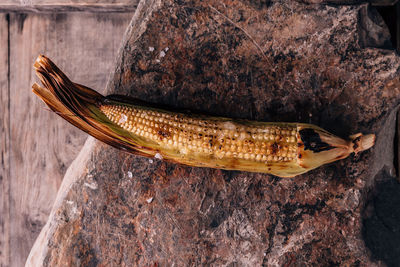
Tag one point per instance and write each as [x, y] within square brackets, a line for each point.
[42, 144]
[4, 143]
[66, 2]
[67, 6]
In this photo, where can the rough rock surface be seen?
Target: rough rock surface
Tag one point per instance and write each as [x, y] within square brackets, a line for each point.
[263, 60]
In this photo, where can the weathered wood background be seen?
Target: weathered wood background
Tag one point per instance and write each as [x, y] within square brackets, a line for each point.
[85, 44]
[67, 6]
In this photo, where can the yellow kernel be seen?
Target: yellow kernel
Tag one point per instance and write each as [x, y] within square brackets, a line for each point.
[242, 135]
[263, 145]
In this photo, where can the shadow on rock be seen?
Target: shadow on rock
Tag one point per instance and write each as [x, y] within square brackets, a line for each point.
[381, 223]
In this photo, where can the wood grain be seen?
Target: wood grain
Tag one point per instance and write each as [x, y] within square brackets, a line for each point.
[42, 145]
[66, 2]
[66, 6]
[4, 143]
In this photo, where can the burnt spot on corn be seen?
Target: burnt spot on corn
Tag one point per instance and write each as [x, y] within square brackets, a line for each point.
[274, 148]
[299, 144]
[312, 141]
[356, 142]
[163, 134]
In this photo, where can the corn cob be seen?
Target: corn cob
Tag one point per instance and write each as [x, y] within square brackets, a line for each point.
[281, 149]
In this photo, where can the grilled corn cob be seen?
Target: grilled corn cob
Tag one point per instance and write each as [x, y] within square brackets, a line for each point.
[281, 149]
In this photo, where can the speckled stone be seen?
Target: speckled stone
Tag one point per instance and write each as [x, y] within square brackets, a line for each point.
[263, 60]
